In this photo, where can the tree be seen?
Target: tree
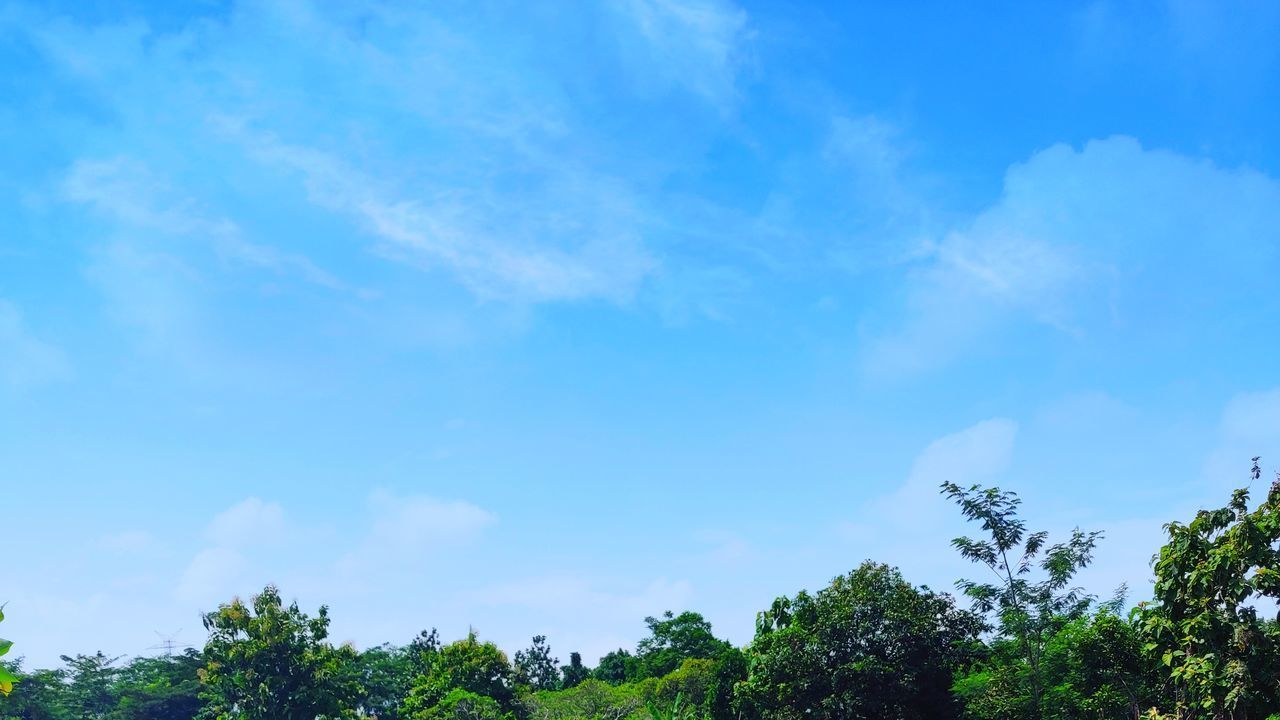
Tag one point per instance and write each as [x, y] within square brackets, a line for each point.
[460, 704]
[594, 699]
[574, 673]
[729, 672]
[618, 666]
[91, 688]
[161, 688]
[870, 645]
[1223, 660]
[40, 695]
[535, 668]
[1093, 668]
[478, 668]
[1027, 609]
[675, 709]
[267, 661]
[388, 673]
[674, 639]
[690, 681]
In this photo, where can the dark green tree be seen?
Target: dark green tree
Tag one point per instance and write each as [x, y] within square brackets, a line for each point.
[268, 661]
[39, 695]
[575, 672]
[535, 668]
[617, 667]
[729, 672]
[870, 645]
[1032, 595]
[674, 639]
[1093, 668]
[1222, 658]
[161, 688]
[388, 673]
[91, 685]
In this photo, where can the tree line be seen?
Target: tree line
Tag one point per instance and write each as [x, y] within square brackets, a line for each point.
[1028, 645]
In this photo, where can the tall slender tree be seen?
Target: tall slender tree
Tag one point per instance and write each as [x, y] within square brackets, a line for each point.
[1032, 594]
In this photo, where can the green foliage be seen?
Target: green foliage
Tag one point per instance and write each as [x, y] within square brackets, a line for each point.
[7, 678]
[271, 662]
[870, 645]
[674, 639]
[387, 673]
[690, 682]
[39, 696]
[91, 692]
[1093, 668]
[1223, 660]
[675, 709]
[729, 672]
[1028, 605]
[575, 672]
[535, 668]
[163, 688]
[461, 704]
[93, 687]
[478, 668]
[618, 666]
[592, 699]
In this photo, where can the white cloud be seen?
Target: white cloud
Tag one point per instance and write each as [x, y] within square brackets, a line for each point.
[243, 543]
[212, 576]
[696, 44]
[1101, 240]
[1250, 426]
[912, 527]
[249, 523]
[26, 361]
[576, 235]
[421, 523]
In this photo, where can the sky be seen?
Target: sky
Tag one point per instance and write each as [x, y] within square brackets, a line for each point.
[540, 318]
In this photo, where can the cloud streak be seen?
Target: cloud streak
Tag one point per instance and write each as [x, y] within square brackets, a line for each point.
[27, 362]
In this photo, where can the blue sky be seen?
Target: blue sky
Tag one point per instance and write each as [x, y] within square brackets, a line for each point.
[541, 319]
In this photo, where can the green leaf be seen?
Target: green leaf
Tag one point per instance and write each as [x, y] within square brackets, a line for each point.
[7, 679]
[4, 646]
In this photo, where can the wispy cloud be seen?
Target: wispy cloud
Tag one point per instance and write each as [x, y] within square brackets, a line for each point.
[26, 361]
[699, 45]
[129, 192]
[574, 235]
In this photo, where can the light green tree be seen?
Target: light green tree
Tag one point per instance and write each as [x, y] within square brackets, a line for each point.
[7, 679]
[479, 668]
[269, 661]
